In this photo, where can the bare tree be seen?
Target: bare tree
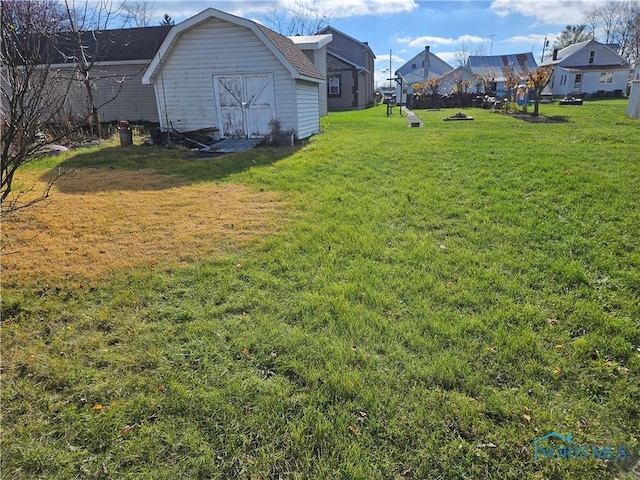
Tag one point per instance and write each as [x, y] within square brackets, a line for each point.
[32, 94]
[88, 41]
[138, 13]
[617, 21]
[511, 82]
[538, 79]
[305, 17]
[462, 53]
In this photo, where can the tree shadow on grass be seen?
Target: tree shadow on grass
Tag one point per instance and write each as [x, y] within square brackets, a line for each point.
[541, 118]
[155, 168]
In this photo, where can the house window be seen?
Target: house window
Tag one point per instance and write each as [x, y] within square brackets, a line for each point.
[606, 77]
[414, 65]
[577, 81]
[563, 80]
[334, 86]
[592, 56]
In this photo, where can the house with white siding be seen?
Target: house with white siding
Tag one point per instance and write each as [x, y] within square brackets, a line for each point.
[587, 67]
[422, 67]
[218, 70]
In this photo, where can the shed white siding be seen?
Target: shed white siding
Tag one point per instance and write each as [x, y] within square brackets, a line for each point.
[184, 85]
[319, 59]
[308, 114]
[633, 109]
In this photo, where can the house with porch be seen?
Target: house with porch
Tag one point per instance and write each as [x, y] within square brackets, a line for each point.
[588, 68]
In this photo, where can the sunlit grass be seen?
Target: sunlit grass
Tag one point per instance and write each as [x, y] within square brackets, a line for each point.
[428, 302]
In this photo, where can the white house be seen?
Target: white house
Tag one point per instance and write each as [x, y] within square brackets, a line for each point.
[218, 70]
[420, 68]
[587, 67]
[458, 79]
[423, 66]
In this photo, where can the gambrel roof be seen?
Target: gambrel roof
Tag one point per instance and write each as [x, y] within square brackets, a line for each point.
[282, 47]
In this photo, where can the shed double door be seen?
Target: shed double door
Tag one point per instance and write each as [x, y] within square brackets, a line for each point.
[244, 104]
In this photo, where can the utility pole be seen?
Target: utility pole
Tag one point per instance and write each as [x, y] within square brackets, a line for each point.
[545, 44]
[491, 47]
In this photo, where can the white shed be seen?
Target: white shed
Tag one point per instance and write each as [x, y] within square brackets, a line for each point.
[633, 109]
[218, 70]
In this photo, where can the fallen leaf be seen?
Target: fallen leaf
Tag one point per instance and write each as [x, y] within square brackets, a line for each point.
[557, 371]
[491, 350]
[97, 407]
[527, 417]
[274, 355]
[362, 416]
[245, 352]
[162, 388]
[127, 429]
[552, 321]
[560, 345]
[354, 430]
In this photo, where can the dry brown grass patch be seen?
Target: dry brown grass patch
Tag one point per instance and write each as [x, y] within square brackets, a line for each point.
[101, 221]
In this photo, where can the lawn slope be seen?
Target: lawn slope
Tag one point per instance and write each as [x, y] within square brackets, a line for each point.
[431, 302]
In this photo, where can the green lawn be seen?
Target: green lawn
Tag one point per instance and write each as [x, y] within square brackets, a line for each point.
[436, 299]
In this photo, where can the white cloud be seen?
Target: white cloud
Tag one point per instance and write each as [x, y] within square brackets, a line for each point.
[533, 38]
[450, 57]
[181, 10]
[333, 8]
[383, 60]
[429, 40]
[557, 12]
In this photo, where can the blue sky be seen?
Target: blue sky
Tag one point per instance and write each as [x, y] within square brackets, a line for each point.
[406, 26]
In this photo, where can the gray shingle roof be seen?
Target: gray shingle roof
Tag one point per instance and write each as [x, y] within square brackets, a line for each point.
[113, 45]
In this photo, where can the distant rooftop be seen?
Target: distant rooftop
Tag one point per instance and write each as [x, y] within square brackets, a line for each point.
[499, 66]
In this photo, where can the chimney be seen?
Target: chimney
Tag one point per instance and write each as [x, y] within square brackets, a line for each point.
[427, 63]
[555, 54]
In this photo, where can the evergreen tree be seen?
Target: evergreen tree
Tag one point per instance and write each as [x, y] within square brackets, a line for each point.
[167, 20]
